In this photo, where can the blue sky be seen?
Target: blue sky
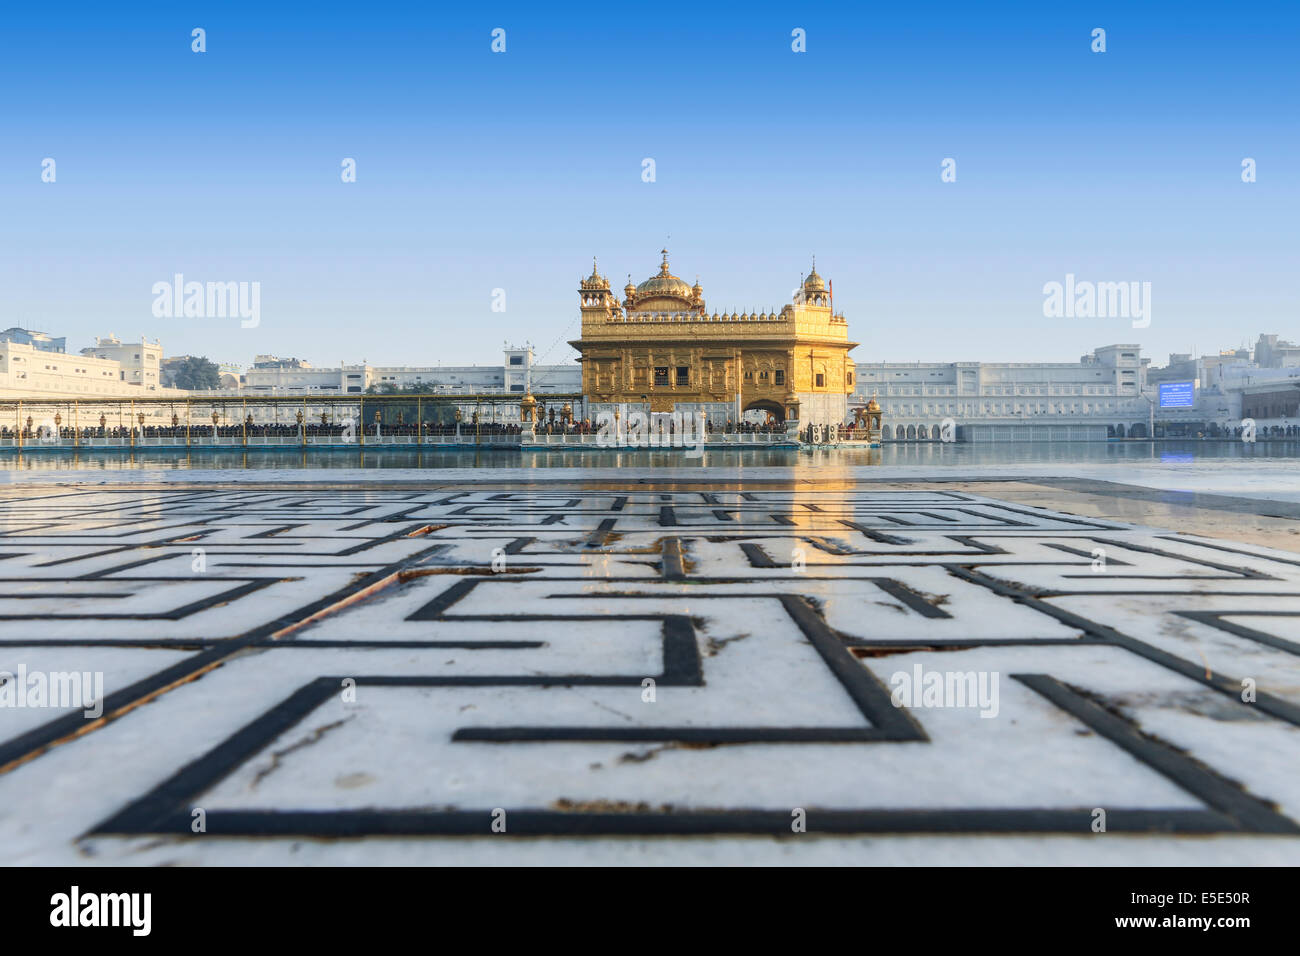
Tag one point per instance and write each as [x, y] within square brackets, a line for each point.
[478, 171]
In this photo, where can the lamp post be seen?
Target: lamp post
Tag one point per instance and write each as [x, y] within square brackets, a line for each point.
[1151, 418]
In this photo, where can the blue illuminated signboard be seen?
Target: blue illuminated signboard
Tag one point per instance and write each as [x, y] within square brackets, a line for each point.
[1177, 395]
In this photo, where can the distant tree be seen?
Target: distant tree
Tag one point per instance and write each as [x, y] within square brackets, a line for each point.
[196, 374]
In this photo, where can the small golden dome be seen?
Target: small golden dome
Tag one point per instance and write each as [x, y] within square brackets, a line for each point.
[595, 280]
[873, 405]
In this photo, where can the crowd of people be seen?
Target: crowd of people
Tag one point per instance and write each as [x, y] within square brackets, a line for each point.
[1267, 431]
[341, 430]
[239, 431]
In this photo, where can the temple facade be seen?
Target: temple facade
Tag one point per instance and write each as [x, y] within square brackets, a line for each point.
[660, 349]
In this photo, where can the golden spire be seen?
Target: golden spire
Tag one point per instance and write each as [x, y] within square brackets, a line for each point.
[663, 269]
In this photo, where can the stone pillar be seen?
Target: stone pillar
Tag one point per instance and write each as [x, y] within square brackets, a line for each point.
[792, 415]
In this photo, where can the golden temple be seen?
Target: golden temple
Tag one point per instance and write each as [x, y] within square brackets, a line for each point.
[660, 348]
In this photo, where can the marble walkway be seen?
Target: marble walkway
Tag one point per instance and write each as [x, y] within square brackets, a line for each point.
[570, 673]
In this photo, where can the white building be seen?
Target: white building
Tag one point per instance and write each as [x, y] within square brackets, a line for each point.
[518, 374]
[33, 338]
[1271, 352]
[139, 363]
[1269, 396]
[1099, 396]
[1232, 386]
[27, 371]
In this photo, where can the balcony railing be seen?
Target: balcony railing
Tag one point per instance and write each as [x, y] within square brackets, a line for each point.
[465, 439]
[30, 443]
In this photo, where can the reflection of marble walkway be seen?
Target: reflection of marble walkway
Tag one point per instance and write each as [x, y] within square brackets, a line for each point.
[637, 675]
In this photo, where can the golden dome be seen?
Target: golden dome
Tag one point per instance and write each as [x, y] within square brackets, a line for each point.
[873, 405]
[814, 282]
[665, 284]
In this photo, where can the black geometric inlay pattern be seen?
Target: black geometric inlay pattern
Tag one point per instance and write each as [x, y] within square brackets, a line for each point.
[780, 616]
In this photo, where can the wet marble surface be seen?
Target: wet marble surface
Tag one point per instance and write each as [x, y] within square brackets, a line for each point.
[575, 674]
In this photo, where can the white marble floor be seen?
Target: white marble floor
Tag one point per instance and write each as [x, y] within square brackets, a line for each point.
[567, 675]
